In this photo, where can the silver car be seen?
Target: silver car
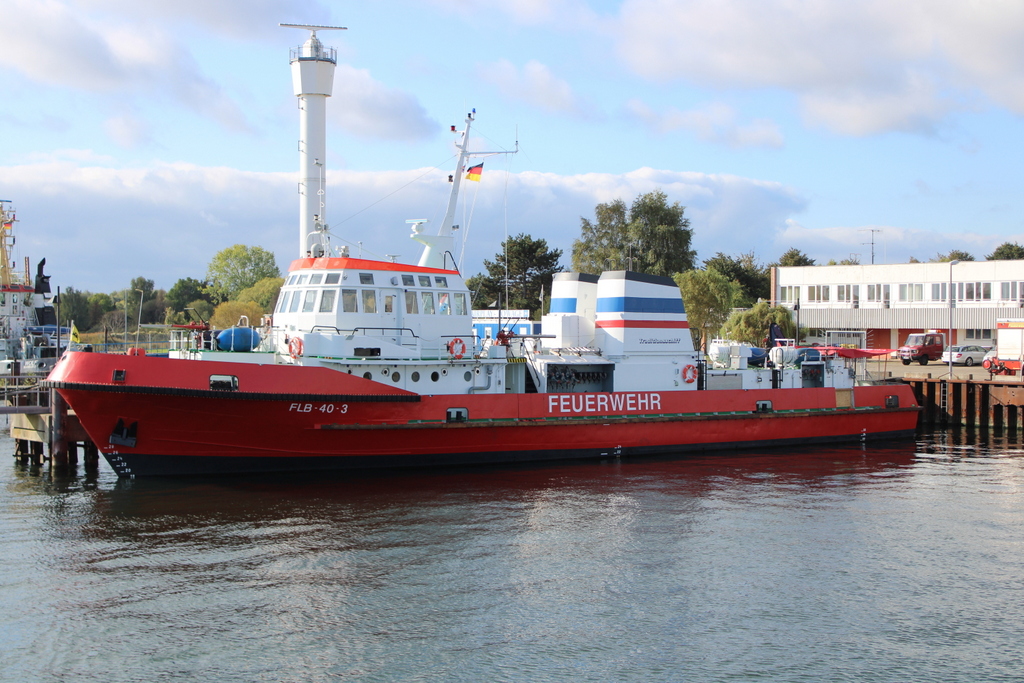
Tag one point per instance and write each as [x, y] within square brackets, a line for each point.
[964, 355]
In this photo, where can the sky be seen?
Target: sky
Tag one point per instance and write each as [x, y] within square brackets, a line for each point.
[141, 138]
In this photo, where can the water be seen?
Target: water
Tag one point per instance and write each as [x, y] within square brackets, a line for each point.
[895, 563]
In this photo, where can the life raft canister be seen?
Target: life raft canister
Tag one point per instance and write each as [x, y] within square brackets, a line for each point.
[689, 373]
[295, 348]
[457, 348]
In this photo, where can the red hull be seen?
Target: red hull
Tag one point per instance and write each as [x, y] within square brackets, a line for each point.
[164, 419]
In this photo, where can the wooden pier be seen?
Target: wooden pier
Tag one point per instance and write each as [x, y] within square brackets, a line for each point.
[41, 425]
[996, 403]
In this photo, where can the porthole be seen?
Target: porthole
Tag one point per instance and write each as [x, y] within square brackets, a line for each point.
[395, 376]
[385, 372]
[415, 376]
[367, 375]
[445, 372]
[468, 376]
[434, 377]
[477, 371]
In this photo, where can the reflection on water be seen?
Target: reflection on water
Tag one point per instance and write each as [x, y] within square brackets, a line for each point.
[892, 563]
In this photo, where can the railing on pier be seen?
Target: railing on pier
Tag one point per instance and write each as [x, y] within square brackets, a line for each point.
[23, 395]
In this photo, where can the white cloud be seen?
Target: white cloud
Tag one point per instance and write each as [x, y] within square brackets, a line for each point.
[858, 68]
[60, 44]
[537, 86]
[371, 108]
[127, 131]
[716, 122]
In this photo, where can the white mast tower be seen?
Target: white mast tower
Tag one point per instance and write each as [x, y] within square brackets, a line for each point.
[313, 81]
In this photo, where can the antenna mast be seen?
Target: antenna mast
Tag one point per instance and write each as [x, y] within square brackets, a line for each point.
[313, 82]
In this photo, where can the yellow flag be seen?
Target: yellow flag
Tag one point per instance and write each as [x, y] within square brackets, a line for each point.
[74, 334]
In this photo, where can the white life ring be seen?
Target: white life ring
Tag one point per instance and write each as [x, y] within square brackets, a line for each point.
[295, 348]
[457, 348]
[689, 374]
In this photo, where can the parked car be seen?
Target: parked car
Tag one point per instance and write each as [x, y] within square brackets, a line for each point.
[965, 355]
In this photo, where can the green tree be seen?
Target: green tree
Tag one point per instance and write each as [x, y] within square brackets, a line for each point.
[651, 237]
[99, 305]
[1007, 251]
[752, 325]
[708, 296]
[531, 263]
[794, 257]
[754, 279]
[953, 255]
[238, 267]
[229, 313]
[263, 293]
[74, 308]
[185, 291]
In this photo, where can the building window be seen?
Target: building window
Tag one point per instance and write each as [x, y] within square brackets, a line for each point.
[848, 293]
[913, 292]
[979, 334]
[817, 293]
[938, 291]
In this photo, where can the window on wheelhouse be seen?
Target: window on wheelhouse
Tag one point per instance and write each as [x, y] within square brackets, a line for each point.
[441, 281]
[296, 300]
[309, 300]
[348, 300]
[316, 278]
[408, 281]
[366, 278]
[302, 279]
[442, 304]
[327, 301]
[427, 298]
[460, 303]
[410, 302]
[332, 278]
[283, 303]
[424, 280]
[369, 300]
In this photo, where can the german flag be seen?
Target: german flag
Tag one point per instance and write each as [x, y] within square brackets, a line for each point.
[474, 172]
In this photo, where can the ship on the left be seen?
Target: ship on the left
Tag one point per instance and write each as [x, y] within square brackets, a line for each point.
[30, 338]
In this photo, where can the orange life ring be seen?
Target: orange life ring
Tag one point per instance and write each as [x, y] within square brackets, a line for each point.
[295, 348]
[457, 348]
[689, 374]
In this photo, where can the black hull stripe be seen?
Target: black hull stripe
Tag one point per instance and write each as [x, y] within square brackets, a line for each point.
[235, 395]
[139, 465]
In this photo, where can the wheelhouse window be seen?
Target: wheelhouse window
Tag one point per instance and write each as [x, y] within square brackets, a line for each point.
[302, 279]
[348, 300]
[442, 304]
[327, 300]
[366, 278]
[424, 280]
[410, 302]
[408, 281]
[332, 278]
[460, 303]
[309, 300]
[427, 299]
[316, 278]
[441, 281]
[296, 300]
[283, 303]
[369, 301]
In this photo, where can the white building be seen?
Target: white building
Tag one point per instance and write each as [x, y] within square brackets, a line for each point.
[888, 302]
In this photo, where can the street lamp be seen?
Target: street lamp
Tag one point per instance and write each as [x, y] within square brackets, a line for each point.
[949, 343]
[142, 295]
